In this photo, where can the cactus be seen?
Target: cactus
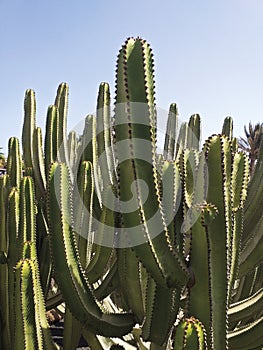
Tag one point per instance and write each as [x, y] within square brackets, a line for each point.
[135, 128]
[190, 334]
[149, 251]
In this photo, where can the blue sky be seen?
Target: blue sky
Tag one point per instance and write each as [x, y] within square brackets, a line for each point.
[208, 56]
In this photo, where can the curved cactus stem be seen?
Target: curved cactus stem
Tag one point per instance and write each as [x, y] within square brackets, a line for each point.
[14, 162]
[247, 337]
[258, 278]
[162, 305]
[130, 281]
[171, 198]
[84, 202]
[246, 308]
[251, 254]
[29, 127]
[102, 248]
[109, 283]
[45, 265]
[71, 331]
[171, 133]
[70, 275]
[253, 210]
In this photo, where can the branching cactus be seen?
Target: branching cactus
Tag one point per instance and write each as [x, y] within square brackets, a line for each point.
[149, 251]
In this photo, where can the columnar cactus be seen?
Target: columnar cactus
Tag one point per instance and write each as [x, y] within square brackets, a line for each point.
[149, 251]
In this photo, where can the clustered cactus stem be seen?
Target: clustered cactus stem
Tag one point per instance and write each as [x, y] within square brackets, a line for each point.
[136, 249]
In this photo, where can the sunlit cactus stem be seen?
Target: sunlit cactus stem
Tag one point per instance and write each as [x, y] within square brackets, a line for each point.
[135, 150]
[14, 162]
[171, 132]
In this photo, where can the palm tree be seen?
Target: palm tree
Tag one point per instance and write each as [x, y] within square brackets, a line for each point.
[251, 143]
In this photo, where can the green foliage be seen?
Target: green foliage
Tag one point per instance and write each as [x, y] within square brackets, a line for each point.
[148, 251]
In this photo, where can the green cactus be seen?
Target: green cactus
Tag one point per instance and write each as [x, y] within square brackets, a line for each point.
[70, 275]
[149, 251]
[135, 137]
[190, 334]
[31, 328]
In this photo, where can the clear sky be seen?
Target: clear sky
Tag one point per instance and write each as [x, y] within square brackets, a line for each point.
[208, 56]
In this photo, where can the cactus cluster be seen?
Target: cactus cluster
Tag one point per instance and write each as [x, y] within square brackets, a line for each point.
[148, 250]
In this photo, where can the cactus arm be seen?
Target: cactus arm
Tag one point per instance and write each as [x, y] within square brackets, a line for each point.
[200, 302]
[90, 150]
[12, 257]
[92, 340]
[27, 220]
[38, 163]
[193, 134]
[104, 141]
[109, 283]
[247, 307]
[254, 202]
[61, 102]
[171, 132]
[246, 285]
[190, 334]
[239, 183]
[218, 156]
[4, 242]
[251, 254]
[29, 127]
[4, 192]
[227, 128]
[135, 125]
[51, 146]
[45, 266]
[162, 305]
[72, 149]
[181, 140]
[70, 275]
[129, 275]
[247, 337]
[32, 328]
[26, 332]
[104, 240]
[83, 215]
[14, 162]
[87, 137]
[171, 196]
[71, 331]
